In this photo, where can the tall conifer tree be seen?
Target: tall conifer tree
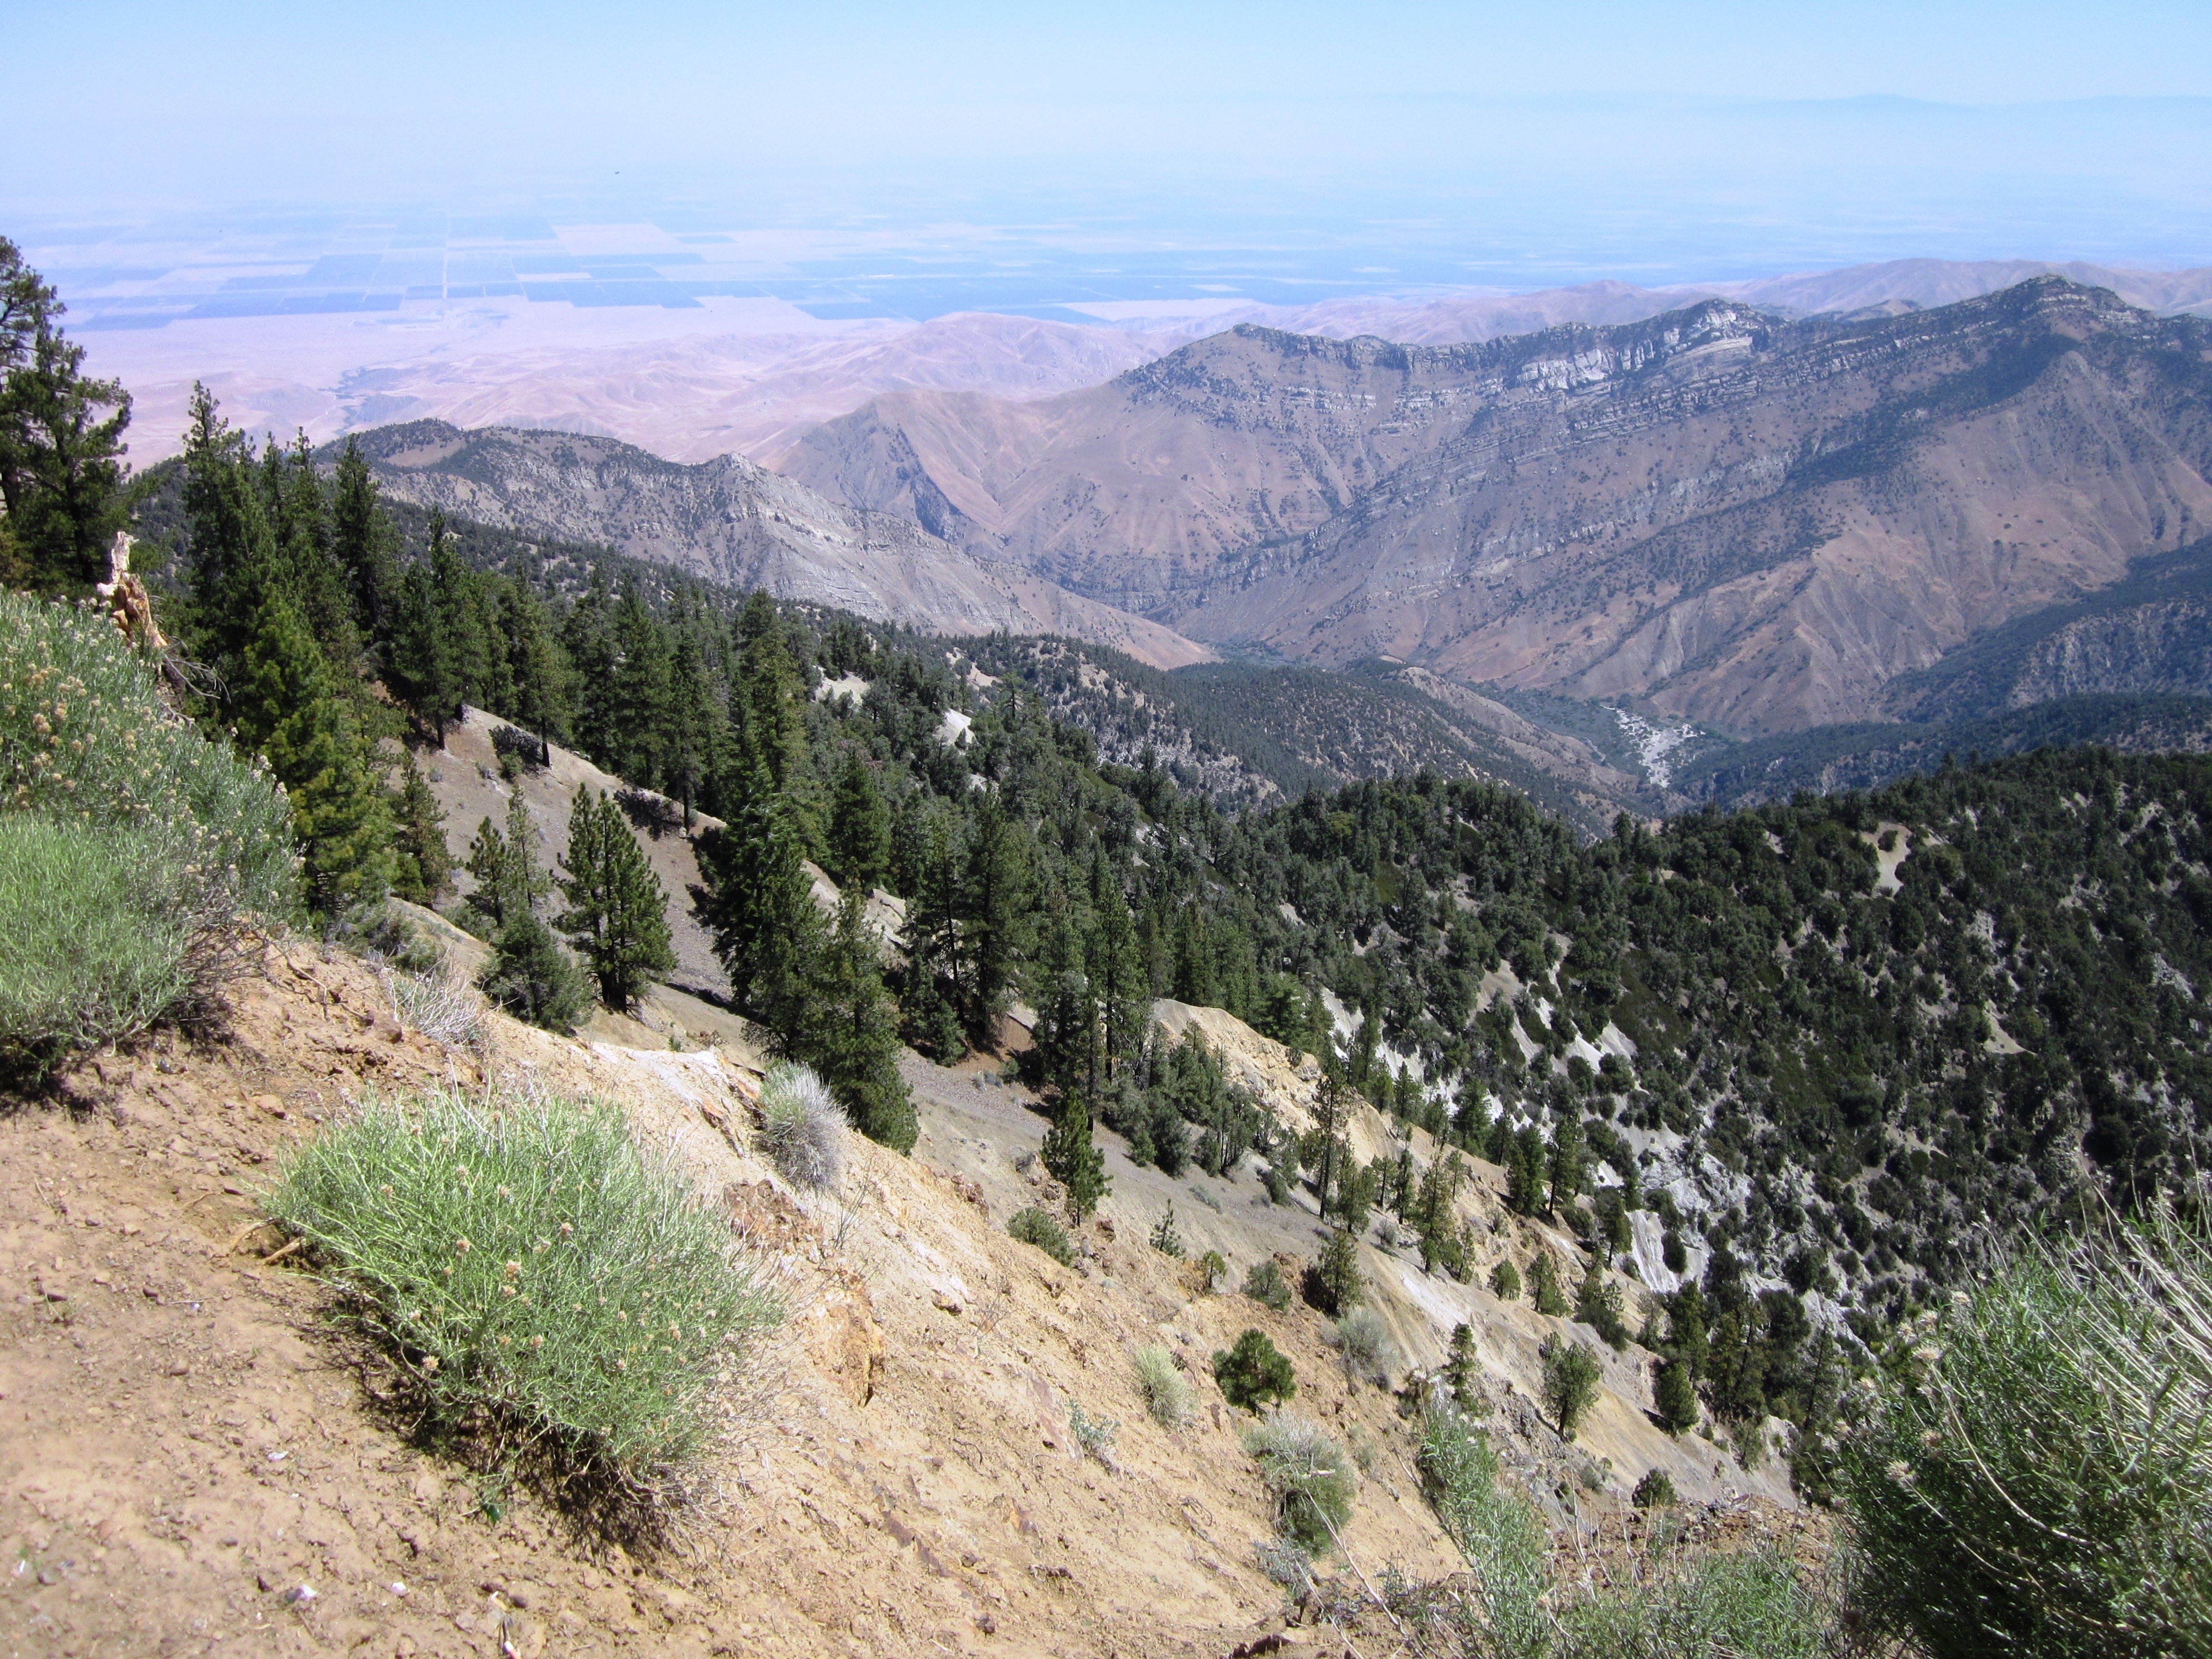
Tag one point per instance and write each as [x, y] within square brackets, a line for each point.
[617, 914]
[855, 1040]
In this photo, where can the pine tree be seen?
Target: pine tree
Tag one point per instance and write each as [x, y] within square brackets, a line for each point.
[420, 669]
[490, 865]
[587, 635]
[464, 621]
[617, 914]
[1675, 1394]
[1073, 1158]
[1116, 969]
[61, 476]
[1066, 1023]
[994, 906]
[860, 840]
[533, 978]
[300, 519]
[362, 542]
[288, 710]
[854, 1041]
[1333, 1283]
[423, 867]
[639, 707]
[1569, 1162]
[759, 902]
[232, 557]
[1332, 1111]
[537, 666]
[767, 696]
[690, 735]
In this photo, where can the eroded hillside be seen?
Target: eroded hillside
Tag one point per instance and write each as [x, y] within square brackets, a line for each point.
[193, 1447]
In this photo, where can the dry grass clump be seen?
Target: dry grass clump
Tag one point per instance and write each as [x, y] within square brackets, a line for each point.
[802, 1126]
[1167, 1396]
[543, 1283]
[1364, 1341]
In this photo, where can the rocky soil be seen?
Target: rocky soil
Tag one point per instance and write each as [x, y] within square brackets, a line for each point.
[197, 1462]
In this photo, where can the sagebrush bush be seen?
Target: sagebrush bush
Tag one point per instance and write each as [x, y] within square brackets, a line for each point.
[1656, 1490]
[802, 1126]
[93, 947]
[533, 1270]
[86, 737]
[1365, 1339]
[1750, 1603]
[1033, 1226]
[1309, 1475]
[2037, 1477]
[1167, 1396]
[1093, 1435]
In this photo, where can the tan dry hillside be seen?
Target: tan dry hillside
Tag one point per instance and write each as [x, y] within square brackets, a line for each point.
[1754, 522]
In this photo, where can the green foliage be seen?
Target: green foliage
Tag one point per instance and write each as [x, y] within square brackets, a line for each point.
[1675, 1392]
[61, 476]
[1656, 1490]
[533, 978]
[287, 706]
[1458, 1362]
[86, 738]
[759, 903]
[1307, 1473]
[1164, 1237]
[1094, 1434]
[1216, 1268]
[1506, 1281]
[1570, 1387]
[1160, 1380]
[1265, 1284]
[533, 1273]
[1598, 1304]
[1253, 1372]
[1037, 1227]
[1750, 1602]
[1073, 1159]
[100, 938]
[617, 914]
[860, 851]
[853, 1032]
[1497, 1532]
[802, 1130]
[1333, 1284]
[1544, 1274]
[2037, 1475]
[422, 868]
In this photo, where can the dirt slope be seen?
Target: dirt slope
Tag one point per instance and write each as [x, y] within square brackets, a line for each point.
[189, 1447]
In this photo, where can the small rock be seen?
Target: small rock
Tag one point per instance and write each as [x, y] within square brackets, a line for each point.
[270, 1104]
[180, 1367]
[299, 1595]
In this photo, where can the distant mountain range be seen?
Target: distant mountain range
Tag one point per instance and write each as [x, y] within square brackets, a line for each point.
[737, 524]
[1755, 522]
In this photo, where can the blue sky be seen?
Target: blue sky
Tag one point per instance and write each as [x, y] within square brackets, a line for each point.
[1427, 144]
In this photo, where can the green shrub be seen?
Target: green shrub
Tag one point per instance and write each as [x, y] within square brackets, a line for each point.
[802, 1126]
[1165, 1239]
[1265, 1284]
[2037, 1475]
[533, 978]
[86, 737]
[96, 949]
[1497, 1530]
[1748, 1601]
[1033, 1226]
[140, 856]
[1570, 1373]
[1656, 1490]
[1506, 1281]
[1333, 1284]
[1253, 1372]
[1675, 1391]
[1167, 1396]
[536, 1275]
[1309, 1475]
[1095, 1435]
[1544, 1275]
[1217, 1270]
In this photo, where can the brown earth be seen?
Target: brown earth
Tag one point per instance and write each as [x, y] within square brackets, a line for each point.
[191, 1444]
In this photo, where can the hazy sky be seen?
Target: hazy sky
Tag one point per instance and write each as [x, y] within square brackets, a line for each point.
[1779, 134]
